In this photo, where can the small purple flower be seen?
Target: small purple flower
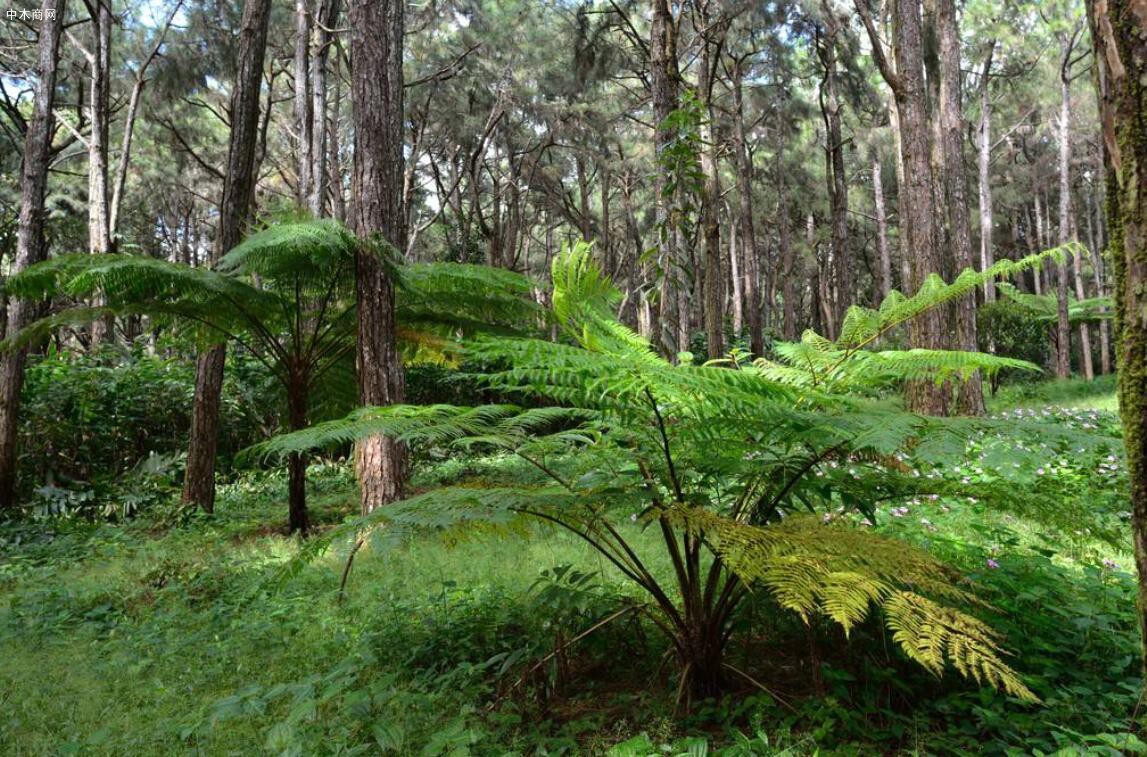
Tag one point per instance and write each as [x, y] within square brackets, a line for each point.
[992, 563]
[1110, 564]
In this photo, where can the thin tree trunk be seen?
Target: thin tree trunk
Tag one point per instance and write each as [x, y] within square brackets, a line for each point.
[840, 270]
[663, 76]
[376, 40]
[881, 230]
[338, 197]
[327, 18]
[984, 137]
[99, 106]
[234, 213]
[1063, 325]
[712, 301]
[304, 122]
[31, 246]
[752, 271]
[787, 254]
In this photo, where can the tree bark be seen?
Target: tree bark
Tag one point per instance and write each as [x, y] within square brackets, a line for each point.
[984, 164]
[327, 18]
[376, 40]
[970, 393]
[1063, 325]
[839, 271]
[31, 246]
[663, 76]
[99, 108]
[712, 301]
[304, 123]
[234, 213]
[917, 189]
[885, 256]
[1119, 33]
[752, 272]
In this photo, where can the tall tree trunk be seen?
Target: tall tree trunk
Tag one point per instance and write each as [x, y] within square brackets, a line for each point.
[917, 190]
[99, 106]
[840, 271]
[883, 253]
[1119, 32]
[1063, 325]
[31, 246]
[984, 143]
[234, 213]
[712, 300]
[752, 273]
[376, 40]
[304, 122]
[970, 393]
[338, 197]
[327, 18]
[663, 77]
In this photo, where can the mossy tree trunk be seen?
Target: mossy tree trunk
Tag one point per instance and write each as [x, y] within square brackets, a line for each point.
[1119, 33]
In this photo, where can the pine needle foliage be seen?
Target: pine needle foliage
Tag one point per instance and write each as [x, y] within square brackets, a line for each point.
[286, 295]
[850, 363]
[750, 483]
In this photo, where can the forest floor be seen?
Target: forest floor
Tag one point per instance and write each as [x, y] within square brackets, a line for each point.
[175, 635]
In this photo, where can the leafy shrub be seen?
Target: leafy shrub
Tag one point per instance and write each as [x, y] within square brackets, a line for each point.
[108, 430]
[1010, 329]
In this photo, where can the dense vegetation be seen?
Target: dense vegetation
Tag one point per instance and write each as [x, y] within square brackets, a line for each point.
[573, 377]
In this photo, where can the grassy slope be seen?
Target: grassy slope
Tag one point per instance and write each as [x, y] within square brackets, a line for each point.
[122, 640]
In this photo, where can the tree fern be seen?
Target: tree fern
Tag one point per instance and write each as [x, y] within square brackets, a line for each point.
[285, 294]
[734, 469]
[848, 365]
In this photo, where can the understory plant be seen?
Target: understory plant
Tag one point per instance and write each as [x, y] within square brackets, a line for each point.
[752, 485]
[286, 296]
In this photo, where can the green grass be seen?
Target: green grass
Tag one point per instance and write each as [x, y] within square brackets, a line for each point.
[163, 636]
[1070, 393]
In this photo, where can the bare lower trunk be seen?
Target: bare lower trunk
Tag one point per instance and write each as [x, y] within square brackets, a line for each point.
[199, 481]
[234, 211]
[31, 247]
[881, 231]
[376, 97]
